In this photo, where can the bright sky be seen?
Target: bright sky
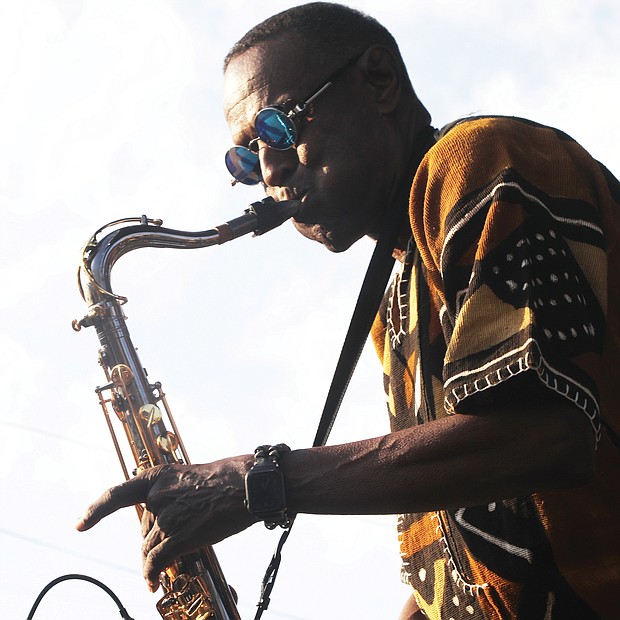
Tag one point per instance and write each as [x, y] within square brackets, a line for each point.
[113, 109]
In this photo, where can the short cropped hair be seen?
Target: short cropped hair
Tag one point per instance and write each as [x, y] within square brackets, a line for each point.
[332, 33]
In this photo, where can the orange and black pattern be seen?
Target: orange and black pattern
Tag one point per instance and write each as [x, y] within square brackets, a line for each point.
[511, 273]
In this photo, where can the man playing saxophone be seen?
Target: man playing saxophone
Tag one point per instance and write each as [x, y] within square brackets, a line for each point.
[498, 338]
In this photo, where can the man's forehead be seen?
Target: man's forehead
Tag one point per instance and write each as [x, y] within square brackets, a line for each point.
[244, 77]
[265, 72]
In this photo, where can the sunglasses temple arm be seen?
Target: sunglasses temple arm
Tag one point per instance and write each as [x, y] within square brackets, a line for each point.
[300, 107]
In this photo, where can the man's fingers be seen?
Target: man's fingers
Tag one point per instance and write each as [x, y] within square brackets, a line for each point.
[147, 522]
[128, 493]
[157, 559]
[151, 539]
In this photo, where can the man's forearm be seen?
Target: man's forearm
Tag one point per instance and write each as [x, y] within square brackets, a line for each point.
[457, 461]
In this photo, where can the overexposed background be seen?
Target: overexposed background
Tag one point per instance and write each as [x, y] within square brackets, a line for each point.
[111, 109]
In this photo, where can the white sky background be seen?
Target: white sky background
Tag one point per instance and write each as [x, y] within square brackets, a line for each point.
[112, 109]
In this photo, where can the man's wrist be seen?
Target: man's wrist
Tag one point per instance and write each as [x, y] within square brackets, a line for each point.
[265, 492]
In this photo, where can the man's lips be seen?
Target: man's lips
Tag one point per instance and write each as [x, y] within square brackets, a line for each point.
[304, 209]
[305, 214]
[285, 193]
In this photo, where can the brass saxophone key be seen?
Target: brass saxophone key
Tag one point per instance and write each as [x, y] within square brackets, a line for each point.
[151, 414]
[121, 375]
[168, 442]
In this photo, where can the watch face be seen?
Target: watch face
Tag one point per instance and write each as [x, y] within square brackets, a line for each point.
[265, 491]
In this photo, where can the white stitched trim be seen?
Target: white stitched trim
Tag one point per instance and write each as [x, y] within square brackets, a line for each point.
[466, 587]
[579, 394]
[399, 294]
[474, 210]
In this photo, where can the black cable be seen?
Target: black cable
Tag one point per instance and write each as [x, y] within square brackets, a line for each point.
[270, 574]
[124, 614]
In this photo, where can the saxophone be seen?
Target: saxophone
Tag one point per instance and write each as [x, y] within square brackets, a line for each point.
[194, 585]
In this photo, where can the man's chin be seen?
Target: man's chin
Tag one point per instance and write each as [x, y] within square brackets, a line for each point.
[332, 241]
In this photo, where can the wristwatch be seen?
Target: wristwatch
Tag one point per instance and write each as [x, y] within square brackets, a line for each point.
[265, 495]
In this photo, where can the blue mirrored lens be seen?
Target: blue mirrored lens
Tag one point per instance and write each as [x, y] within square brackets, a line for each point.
[275, 129]
[243, 164]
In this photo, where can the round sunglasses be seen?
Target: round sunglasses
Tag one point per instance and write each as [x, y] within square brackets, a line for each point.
[276, 126]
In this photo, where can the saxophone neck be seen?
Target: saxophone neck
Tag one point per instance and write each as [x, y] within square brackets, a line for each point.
[100, 255]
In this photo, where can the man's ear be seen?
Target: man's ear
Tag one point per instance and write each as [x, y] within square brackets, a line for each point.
[383, 74]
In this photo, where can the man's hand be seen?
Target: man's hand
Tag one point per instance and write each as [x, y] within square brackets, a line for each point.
[185, 507]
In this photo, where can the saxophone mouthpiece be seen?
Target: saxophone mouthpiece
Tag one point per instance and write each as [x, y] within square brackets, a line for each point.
[271, 213]
[260, 217]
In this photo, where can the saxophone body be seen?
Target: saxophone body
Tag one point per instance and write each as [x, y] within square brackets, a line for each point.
[194, 586]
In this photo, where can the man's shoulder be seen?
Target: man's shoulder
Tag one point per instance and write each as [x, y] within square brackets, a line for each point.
[490, 129]
[484, 146]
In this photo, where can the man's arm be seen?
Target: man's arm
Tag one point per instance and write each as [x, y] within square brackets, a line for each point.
[461, 460]
[501, 452]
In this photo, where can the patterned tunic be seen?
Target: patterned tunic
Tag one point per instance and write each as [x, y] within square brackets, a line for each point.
[512, 272]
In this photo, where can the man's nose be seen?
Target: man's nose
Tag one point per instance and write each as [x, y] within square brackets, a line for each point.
[277, 166]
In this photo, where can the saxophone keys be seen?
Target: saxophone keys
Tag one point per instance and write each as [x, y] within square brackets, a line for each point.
[121, 375]
[180, 583]
[151, 414]
[168, 442]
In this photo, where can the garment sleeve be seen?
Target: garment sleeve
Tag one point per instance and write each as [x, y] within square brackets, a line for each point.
[507, 224]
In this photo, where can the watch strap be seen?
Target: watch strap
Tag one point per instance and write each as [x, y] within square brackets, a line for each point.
[266, 459]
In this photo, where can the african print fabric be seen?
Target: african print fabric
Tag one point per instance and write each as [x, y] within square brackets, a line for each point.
[512, 272]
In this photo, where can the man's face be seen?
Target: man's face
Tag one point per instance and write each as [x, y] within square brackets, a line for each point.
[337, 168]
